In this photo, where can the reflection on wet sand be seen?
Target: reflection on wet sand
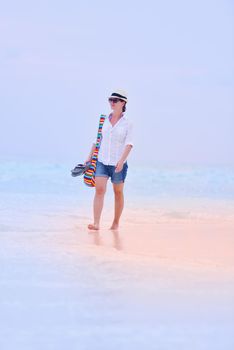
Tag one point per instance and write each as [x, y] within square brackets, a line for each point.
[117, 242]
[186, 242]
[99, 240]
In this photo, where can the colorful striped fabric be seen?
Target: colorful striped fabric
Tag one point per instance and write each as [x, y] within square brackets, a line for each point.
[89, 175]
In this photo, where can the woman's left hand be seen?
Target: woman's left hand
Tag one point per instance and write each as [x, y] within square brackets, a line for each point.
[119, 166]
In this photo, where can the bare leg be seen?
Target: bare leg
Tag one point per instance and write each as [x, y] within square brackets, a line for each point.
[100, 190]
[119, 204]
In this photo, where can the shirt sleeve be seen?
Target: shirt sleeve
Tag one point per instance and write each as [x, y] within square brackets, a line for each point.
[129, 137]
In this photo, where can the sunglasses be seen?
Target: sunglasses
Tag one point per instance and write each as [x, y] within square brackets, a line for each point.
[114, 100]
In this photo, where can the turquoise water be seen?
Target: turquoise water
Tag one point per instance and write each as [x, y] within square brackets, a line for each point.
[49, 178]
[29, 190]
[47, 188]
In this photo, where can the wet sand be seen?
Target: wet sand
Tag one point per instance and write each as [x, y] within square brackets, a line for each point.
[160, 279]
[200, 244]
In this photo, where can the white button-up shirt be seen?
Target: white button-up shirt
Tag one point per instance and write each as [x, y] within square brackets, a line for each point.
[114, 139]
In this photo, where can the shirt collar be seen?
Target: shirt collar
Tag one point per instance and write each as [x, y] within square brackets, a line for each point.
[122, 116]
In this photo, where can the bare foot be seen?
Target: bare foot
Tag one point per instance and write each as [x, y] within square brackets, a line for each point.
[93, 227]
[114, 226]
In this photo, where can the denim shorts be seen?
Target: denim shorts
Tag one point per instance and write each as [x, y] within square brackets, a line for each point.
[109, 171]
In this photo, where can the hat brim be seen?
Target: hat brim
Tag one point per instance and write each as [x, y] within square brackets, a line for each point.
[119, 98]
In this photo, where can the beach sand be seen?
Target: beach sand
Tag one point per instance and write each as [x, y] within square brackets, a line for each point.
[162, 281]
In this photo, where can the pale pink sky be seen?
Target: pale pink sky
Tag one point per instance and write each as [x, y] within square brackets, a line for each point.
[60, 60]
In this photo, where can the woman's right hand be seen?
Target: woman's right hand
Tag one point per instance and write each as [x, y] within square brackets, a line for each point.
[88, 160]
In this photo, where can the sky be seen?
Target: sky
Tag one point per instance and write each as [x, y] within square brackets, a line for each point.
[60, 60]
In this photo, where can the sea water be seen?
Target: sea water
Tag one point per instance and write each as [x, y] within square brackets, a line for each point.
[43, 188]
[55, 178]
[58, 292]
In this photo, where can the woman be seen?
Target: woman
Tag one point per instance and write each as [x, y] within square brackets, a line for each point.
[116, 144]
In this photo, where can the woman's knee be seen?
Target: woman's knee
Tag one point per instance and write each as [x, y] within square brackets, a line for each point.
[100, 190]
[100, 185]
[118, 190]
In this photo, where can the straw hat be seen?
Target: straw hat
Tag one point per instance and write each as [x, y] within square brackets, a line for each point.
[121, 94]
